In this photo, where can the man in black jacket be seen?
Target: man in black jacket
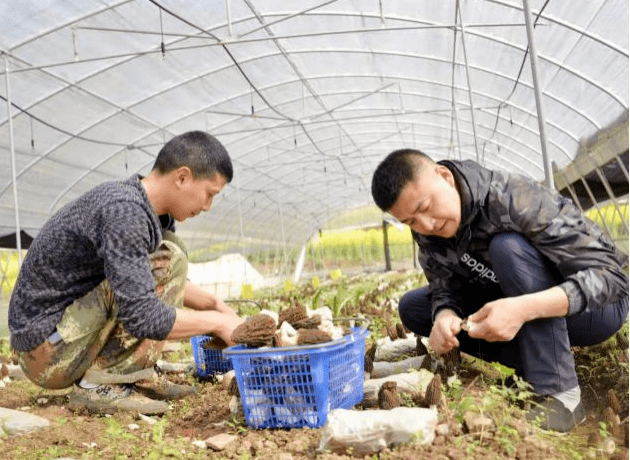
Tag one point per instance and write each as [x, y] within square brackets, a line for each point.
[531, 274]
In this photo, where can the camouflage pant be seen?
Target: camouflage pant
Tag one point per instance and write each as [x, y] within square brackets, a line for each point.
[90, 335]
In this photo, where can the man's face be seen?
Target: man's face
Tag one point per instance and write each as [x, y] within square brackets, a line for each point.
[430, 204]
[193, 196]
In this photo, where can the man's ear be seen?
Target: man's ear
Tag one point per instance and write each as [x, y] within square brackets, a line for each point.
[446, 174]
[182, 175]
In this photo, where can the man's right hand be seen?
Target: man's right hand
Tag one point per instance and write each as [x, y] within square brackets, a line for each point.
[192, 322]
[443, 333]
[229, 322]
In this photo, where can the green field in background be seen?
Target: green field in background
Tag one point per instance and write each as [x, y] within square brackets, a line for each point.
[357, 245]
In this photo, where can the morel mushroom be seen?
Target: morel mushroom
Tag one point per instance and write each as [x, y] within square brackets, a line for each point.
[258, 331]
[388, 396]
[292, 315]
[611, 419]
[312, 336]
[433, 394]
[622, 340]
[391, 331]
[307, 322]
[613, 401]
[371, 352]
[400, 331]
[452, 359]
[233, 388]
[368, 365]
[421, 348]
[427, 363]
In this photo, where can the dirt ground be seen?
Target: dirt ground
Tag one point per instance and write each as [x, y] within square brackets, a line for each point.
[124, 436]
[482, 392]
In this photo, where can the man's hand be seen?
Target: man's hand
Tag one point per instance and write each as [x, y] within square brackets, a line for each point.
[229, 322]
[199, 299]
[190, 322]
[498, 321]
[442, 338]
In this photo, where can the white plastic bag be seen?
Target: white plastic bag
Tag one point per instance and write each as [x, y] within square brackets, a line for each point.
[410, 382]
[388, 350]
[370, 431]
[385, 368]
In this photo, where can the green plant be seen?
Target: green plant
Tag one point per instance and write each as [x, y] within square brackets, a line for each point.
[338, 305]
[603, 429]
[237, 424]
[316, 298]
[507, 435]
[117, 431]
[458, 402]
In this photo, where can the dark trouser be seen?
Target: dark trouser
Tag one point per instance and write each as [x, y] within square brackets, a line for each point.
[540, 352]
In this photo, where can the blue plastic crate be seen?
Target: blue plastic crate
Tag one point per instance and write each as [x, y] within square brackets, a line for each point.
[208, 361]
[291, 387]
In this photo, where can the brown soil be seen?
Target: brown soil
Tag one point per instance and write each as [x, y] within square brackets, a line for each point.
[198, 417]
[80, 435]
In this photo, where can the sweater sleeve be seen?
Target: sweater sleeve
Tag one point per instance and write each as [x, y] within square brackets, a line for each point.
[124, 239]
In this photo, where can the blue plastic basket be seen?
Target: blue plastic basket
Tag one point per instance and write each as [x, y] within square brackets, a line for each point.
[208, 361]
[291, 387]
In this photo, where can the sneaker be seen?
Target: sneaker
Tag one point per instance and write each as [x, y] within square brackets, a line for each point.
[107, 399]
[555, 416]
[160, 388]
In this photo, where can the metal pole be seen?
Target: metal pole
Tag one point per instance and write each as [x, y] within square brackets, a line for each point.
[388, 261]
[229, 18]
[540, 108]
[284, 240]
[470, 98]
[18, 240]
[240, 213]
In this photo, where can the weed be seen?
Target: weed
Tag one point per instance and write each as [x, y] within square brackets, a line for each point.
[507, 435]
[238, 425]
[117, 431]
[316, 298]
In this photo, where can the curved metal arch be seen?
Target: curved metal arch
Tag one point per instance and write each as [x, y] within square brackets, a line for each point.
[207, 109]
[153, 96]
[442, 127]
[128, 110]
[70, 23]
[521, 126]
[263, 209]
[503, 42]
[561, 23]
[569, 26]
[529, 113]
[262, 57]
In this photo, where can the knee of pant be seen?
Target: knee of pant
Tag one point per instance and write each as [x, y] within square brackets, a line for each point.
[179, 260]
[403, 308]
[50, 379]
[505, 246]
[173, 238]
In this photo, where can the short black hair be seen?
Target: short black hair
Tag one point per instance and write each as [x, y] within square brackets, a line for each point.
[393, 173]
[199, 151]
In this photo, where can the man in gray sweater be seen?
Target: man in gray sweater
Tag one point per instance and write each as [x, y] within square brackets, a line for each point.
[103, 283]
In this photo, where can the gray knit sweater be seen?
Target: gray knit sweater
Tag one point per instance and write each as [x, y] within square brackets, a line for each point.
[106, 233]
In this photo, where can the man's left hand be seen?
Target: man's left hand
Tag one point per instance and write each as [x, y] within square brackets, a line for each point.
[497, 321]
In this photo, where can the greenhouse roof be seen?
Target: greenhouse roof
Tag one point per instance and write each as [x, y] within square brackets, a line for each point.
[307, 96]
